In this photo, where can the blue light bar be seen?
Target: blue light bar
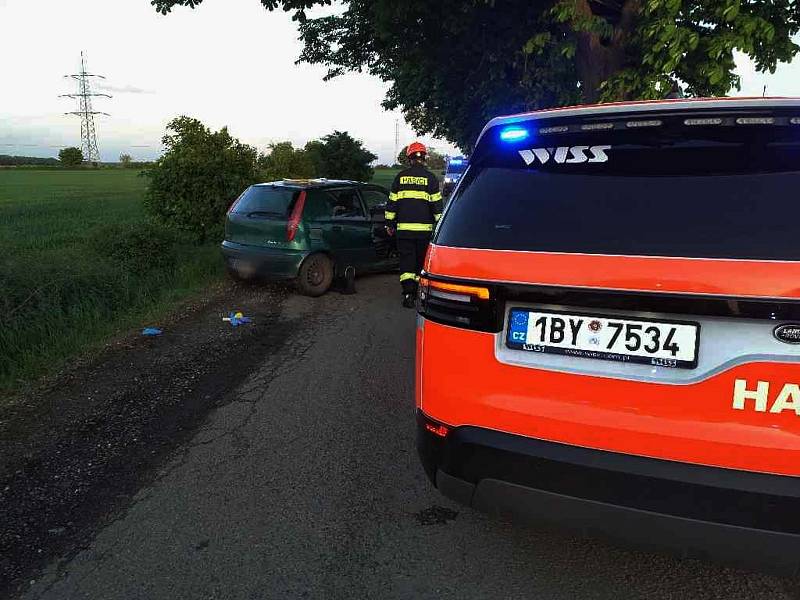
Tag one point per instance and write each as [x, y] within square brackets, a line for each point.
[513, 134]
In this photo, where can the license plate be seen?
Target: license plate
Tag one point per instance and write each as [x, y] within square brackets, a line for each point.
[623, 339]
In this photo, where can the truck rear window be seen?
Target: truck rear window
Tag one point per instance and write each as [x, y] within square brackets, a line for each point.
[694, 198]
[266, 201]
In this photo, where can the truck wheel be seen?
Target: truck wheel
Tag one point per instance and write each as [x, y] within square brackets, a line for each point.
[315, 275]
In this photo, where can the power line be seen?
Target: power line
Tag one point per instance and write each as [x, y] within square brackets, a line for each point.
[85, 112]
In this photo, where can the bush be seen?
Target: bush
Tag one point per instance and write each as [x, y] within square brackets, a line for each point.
[70, 157]
[137, 247]
[199, 176]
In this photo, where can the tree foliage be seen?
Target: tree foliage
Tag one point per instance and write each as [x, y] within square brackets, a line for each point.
[315, 152]
[198, 177]
[125, 160]
[70, 157]
[452, 65]
[335, 156]
[638, 49]
[284, 161]
[18, 161]
[340, 156]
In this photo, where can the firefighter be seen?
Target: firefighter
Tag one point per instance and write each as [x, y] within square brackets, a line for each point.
[415, 205]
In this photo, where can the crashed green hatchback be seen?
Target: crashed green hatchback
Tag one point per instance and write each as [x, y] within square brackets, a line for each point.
[309, 231]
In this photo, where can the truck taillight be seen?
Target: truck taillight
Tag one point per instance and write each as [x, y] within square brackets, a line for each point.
[294, 220]
[465, 305]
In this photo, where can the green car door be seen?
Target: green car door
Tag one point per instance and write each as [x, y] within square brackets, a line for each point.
[338, 224]
[384, 246]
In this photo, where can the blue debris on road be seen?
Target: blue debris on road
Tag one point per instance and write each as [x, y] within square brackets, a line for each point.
[236, 319]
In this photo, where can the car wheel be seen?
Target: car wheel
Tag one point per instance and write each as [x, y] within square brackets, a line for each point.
[315, 275]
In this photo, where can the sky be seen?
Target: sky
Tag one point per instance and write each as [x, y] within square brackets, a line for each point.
[229, 62]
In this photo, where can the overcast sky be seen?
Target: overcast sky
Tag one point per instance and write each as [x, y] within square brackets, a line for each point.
[227, 63]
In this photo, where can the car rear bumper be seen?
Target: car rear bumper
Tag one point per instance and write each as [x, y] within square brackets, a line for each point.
[737, 517]
[268, 263]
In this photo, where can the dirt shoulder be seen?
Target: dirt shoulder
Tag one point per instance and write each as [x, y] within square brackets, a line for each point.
[74, 452]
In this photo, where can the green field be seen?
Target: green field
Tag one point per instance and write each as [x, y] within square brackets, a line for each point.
[385, 177]
[71, 270]
[54, 209]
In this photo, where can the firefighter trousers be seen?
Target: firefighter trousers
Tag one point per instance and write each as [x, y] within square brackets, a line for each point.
[412, 255]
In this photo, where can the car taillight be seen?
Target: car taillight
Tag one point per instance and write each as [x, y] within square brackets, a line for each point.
[459, 304]
[294, 219]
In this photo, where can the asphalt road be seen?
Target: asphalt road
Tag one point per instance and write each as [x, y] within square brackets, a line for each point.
[305, 483]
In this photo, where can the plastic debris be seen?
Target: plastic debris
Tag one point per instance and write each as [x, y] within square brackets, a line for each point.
[152, 331]
[236, 319]
[349, 281]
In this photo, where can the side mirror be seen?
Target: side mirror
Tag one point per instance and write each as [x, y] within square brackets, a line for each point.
[377, 211]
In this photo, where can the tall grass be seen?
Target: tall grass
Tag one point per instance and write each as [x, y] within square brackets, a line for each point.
[71, 270]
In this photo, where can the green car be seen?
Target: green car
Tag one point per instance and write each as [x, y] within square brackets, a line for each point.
[309, 231]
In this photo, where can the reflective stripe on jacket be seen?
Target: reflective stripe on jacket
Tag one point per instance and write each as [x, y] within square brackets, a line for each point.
[415, 202]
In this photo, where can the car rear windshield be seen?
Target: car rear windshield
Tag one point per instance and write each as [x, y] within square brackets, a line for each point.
[266, 201]
[711, 196]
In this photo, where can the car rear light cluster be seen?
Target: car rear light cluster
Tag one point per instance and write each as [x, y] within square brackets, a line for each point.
[294, 220]
[458, 304]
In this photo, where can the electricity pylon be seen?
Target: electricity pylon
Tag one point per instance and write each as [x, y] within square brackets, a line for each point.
[85, 112]
[396, 140]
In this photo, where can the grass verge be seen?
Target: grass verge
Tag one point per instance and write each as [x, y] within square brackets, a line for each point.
[79, 263]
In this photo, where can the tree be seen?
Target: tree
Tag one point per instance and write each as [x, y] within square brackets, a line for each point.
[340, 156]
[639, 49]
[315, 152]
[14, 161]
[198, 177]
[402, 157]
[435, 161]
[70, 157]
[284, 161]
[125, 160]
[453, 65]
